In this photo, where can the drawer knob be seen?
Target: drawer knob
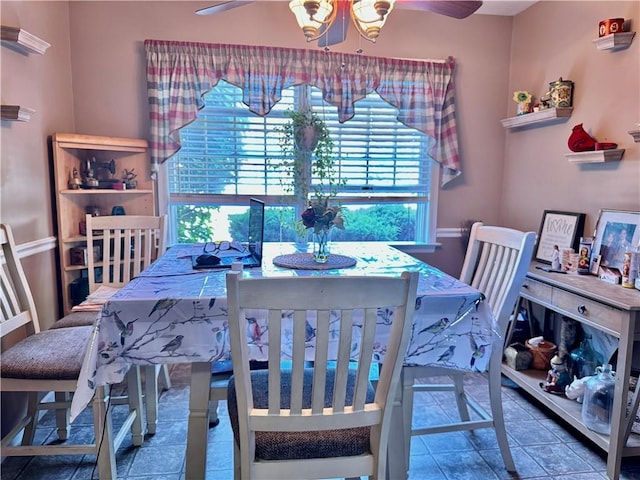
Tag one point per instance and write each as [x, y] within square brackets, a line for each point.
[582, 309]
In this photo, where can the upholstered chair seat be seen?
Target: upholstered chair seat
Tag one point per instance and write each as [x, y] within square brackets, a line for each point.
[33, 359]
[307, 444]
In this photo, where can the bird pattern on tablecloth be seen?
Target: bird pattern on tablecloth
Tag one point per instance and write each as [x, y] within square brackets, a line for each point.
[173, 345]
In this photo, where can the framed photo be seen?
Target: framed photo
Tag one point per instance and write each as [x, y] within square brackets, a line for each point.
[558, 228]
[616, 231]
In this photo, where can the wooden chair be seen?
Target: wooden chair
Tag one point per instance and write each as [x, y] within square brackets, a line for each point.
[320, 422]
[49, 361]
[142, 238]
[496, 263]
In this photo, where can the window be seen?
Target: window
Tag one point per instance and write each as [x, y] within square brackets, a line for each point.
[228, 155]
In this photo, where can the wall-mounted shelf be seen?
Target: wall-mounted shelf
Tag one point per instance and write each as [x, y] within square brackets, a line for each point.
[635, 134]
[23, 39]
[546, 116]
[16, 112]
[598, 156]
[614, 41]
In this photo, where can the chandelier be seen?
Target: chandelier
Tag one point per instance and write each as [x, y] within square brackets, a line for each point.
[315, 17]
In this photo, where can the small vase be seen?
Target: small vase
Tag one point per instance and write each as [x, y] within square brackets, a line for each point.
[522, 108]
[321, 240]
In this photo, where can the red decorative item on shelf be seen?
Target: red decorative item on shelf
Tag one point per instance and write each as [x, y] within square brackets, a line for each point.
[580, 140]
[606, 146]
[611, 25]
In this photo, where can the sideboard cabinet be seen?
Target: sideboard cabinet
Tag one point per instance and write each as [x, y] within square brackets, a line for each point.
[108, 158]
[611, 309]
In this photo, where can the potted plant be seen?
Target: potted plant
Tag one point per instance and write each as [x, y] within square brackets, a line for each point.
[307, 150]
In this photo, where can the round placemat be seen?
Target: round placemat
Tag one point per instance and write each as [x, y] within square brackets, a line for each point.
[305, 261]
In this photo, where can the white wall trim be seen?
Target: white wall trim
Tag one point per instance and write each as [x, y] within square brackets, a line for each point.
[449, 233]
[36, 246]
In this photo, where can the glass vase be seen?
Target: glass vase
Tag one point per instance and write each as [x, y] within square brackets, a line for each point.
[321, 240]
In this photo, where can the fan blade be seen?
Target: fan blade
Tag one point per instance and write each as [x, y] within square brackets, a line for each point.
[222, 6]
[337, 32]
[450, 8]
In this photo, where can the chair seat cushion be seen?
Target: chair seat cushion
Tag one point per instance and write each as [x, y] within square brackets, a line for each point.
[76, 319]
[49, 355]
[297, 445]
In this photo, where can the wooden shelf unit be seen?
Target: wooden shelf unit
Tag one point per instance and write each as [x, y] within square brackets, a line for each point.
[611, 309]
[23, 40]
[71, 151]
[542, 117]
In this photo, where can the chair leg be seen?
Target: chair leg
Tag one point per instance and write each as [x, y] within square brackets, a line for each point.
[151, 373]
[164, 377]
[62, 415]
[32, 413]
[407, 379]
[134, 392]
[461, 397]
[213, 413]
[497, 414]
[103, 426]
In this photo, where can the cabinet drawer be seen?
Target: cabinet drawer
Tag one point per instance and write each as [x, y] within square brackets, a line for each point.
[594, 313]
[537, 290]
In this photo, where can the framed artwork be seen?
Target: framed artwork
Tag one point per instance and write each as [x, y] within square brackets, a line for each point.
[558, 228]
[616, 231]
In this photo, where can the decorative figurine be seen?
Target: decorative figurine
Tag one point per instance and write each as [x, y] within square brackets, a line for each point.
[129, 179]
[75, 182]
[555, 258]
[89, 180]
[557, 378]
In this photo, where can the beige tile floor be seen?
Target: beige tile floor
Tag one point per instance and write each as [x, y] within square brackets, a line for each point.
[543, 447]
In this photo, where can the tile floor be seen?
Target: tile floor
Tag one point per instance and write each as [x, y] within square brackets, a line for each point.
[542, 446]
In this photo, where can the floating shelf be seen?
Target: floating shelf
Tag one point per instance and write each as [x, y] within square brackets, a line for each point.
[548, 115]
[635, 134]
[23, 39]
[16, 112]
[614, 41]
[599, 156]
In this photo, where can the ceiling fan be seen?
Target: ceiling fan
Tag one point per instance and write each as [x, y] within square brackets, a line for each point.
[327, 20]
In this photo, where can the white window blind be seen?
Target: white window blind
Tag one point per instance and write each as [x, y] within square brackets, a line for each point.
[227, 149]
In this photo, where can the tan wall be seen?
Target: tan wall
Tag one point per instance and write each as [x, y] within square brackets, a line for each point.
[551, 40]
[41, 82]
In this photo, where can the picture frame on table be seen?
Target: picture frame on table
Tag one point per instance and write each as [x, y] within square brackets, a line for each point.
[558, 228]
[616, 231]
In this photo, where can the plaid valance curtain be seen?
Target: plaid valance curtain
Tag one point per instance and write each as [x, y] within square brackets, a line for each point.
[180, 73]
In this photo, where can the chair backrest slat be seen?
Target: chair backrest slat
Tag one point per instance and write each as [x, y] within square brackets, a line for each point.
[127, 243]
[275, 335]
[321, 357]
[16, 302]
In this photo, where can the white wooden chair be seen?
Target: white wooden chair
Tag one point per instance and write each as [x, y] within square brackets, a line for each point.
[496, 262]
[127, 245]
[143, 238]
[49, 361]
[322, 422]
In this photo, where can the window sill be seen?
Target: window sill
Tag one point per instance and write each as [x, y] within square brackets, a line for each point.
[415, 247]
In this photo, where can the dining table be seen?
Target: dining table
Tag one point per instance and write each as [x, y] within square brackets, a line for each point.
[174, 313]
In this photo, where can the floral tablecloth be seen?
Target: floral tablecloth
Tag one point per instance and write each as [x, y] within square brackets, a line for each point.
[172, 313]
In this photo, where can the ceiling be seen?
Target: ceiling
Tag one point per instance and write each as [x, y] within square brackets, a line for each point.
[504, 7]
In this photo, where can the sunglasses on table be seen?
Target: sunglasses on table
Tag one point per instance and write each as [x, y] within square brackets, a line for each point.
[214, 248]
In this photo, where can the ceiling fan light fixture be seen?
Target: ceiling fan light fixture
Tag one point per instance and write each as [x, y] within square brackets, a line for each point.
[311, 15]
[369, 16]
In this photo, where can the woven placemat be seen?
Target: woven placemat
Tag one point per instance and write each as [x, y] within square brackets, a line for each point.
[305, 261]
